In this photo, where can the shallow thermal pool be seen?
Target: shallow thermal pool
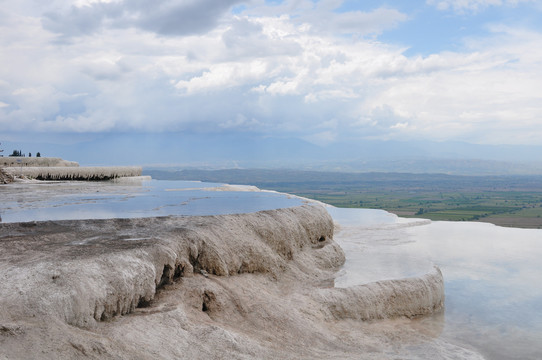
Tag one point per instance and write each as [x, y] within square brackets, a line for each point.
[20, 202]
[492, 274]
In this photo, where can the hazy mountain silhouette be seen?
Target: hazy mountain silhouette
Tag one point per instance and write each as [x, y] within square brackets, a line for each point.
[256, 151]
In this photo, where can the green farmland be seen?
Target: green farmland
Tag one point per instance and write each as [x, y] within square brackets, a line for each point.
[518, 209]
[503, 200]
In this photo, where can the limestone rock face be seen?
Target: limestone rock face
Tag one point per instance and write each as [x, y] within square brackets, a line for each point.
[21, 161]
[247, 286]
[5, 177]
[385, 299]
[50, 168]
[86, 173]
[91, 270]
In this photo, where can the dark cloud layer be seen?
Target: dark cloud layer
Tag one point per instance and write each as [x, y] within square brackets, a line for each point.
[164, 17]
[184, 17]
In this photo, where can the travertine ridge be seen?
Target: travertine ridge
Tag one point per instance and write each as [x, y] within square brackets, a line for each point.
[208, 286]
[86, 173]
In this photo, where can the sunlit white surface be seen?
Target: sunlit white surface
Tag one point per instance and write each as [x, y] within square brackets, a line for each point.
[492, 275]
[376, 246]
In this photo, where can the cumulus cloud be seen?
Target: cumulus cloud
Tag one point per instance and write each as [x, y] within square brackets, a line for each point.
[324, 17]
[164, 17]
[181, 17]
[245, 37]
[299, 68]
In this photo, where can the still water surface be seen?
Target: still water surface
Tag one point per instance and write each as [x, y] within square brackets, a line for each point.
[103, 200]
[493, 275]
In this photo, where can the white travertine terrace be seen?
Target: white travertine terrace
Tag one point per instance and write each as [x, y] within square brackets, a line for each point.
[19, 161]
[254, 285]
[75, 173]
[45, 168]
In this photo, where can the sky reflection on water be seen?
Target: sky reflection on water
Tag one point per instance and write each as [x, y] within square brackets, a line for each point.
[102, 200]
[376, 246]
[492, 275]
[493, 288]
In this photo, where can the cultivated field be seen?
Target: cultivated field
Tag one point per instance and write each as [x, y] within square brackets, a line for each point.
[503, 200]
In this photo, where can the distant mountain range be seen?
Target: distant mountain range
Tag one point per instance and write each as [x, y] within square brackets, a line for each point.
[216, 151]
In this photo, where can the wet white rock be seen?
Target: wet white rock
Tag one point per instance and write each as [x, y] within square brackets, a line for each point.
[130, 288]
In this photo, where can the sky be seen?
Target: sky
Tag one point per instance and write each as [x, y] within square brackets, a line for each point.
[322, 72]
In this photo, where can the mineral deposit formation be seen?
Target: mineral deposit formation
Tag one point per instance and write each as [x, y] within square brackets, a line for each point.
[58, 169]
[250, 286]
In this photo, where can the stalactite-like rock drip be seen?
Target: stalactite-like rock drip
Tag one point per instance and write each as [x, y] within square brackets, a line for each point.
[408, 297]
[92, 270]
